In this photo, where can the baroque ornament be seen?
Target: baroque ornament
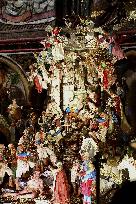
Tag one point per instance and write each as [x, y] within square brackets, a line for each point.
[83, 43]
[72, 54]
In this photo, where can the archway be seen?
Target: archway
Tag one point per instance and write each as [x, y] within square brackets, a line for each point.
[17, 69]
[130, 76]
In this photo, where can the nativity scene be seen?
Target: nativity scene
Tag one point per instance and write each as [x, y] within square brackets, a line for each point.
[67, 112]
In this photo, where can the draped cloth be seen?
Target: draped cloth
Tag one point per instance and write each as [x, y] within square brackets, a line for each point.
[61, 190]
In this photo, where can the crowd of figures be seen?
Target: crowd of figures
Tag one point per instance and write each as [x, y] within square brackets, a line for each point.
[43, 134]
[43, 139]
[31, 167]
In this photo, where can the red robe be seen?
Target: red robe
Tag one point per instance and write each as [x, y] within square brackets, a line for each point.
[61, 190]
[37, 84]
[105, 79]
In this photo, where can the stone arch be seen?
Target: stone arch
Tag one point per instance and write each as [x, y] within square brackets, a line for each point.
[17, 68]
[130, 75]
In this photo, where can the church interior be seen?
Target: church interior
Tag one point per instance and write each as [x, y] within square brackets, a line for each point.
[67, 101]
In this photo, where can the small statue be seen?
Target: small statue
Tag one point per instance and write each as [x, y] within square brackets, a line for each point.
[61, 187]
[75, 176]
[23, 163]
[14, 111]
[12, 161]
[40, 136]
[3, 170]
[88, 179]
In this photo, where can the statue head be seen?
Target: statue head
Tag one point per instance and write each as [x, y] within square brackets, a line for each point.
[59, 165]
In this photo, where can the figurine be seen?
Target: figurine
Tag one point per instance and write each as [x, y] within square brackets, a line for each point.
[40, 136]
[5, 169]
[88, 179]
[34, 186]
[12, 161]
[23, 163]
[75, 176]
[61, 187]
[14, 111]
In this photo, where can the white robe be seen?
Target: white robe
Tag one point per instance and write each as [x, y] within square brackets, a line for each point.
[45, 152]
[128, 163]
[58, 52]
[23, 167]
[4, 169]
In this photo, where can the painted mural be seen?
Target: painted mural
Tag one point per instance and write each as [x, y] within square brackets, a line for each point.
[11, 87]
[24, 11]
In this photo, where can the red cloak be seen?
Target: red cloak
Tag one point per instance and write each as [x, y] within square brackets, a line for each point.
[61, 190]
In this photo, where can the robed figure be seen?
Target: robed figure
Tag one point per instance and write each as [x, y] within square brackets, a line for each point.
[88, 180]
[61, 187]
